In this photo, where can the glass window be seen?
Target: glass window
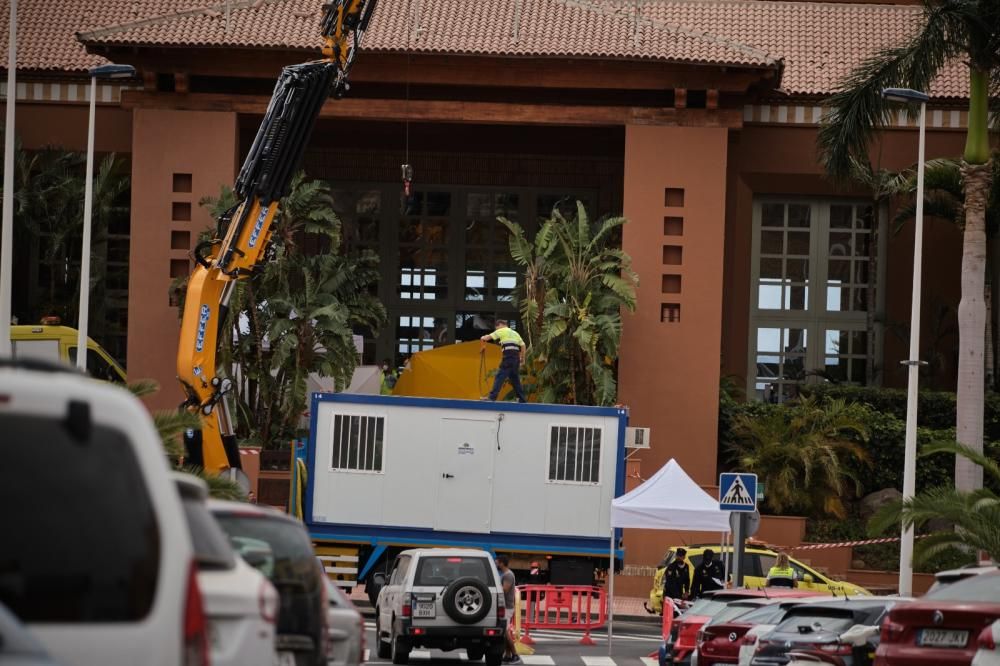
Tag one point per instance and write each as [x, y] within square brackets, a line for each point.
[43, 350]
[358, 443]
[826, 620]
[212, 550]
[733, 611]
[88, 550]
[98, 367]
[414, 334]
[443, 570]
[985, 587]
[490, 273]
[800, 333]
[574, 454]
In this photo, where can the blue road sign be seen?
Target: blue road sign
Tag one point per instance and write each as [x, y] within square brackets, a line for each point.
[737, 492]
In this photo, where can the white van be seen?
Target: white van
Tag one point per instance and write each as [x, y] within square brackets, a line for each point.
[95, 558]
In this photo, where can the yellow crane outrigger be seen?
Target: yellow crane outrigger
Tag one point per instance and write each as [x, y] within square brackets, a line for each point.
[243, 239]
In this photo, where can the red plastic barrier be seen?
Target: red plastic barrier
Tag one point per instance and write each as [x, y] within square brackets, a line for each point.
[574, 607]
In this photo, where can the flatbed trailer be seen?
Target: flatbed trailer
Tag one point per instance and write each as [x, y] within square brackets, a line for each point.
[380, 474]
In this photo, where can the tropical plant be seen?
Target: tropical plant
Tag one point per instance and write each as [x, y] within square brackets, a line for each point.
[950, 31]
[805, 453]
[975, 514]
[577, 282]
[296, 316]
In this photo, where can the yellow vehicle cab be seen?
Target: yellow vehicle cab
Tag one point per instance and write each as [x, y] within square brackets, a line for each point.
[51, 342]
[757, 561]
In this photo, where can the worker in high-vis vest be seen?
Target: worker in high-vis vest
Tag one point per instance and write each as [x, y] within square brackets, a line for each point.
[513, 350]
[781, 574]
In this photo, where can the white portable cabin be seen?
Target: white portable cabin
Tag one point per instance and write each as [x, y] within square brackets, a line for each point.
[491, 474]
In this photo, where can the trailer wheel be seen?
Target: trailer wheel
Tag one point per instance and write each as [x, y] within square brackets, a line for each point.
[467, 600]
[494, 655]
[400, 650]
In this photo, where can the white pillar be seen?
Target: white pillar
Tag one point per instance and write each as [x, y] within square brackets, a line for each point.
[913, 363]
[88, 205]
[7, 229]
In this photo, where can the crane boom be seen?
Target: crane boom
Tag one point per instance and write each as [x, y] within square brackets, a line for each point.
[243, 238]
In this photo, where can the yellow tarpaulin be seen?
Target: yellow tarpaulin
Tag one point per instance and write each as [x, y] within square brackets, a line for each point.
[451, 371]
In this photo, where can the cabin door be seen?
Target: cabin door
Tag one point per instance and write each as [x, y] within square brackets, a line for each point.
[465, 485]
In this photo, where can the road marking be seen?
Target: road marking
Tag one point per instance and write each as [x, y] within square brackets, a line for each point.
[368, 654]
[598, 661]
[420, 654]
[650, 661]
[537, 660]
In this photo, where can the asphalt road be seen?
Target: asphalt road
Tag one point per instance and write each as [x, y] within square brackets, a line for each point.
[633, 642]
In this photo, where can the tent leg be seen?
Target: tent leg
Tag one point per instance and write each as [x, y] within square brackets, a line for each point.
[611, 591]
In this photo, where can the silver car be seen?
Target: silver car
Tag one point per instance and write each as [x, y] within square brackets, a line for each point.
[345, 629]
[443, 598]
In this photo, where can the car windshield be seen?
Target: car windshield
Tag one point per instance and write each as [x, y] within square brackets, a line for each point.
[211, 548]
[733, 611]
[294, 570]
[81, 542]
[985, 587]
[441, 571]
[824, 620]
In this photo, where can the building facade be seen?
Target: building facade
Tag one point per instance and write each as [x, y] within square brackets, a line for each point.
[696, 119]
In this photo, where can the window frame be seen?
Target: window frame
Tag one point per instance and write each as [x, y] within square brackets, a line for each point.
[815, 319]
[600, 452]
[383, 416]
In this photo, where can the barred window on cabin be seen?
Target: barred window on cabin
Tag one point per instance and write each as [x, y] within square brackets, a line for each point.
[358, 443]
[574, 454]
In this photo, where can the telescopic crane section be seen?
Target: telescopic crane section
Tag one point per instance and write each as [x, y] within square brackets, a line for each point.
[243, 239]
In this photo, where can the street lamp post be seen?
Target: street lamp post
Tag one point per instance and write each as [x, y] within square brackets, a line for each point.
[913, 362]
[7, 221]
[102, 72]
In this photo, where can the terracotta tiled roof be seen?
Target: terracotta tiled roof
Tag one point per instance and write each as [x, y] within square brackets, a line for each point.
[46, 29]
[486, 27]
[818, 43]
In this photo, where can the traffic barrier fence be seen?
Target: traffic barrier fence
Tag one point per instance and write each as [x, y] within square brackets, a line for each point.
[563, 607]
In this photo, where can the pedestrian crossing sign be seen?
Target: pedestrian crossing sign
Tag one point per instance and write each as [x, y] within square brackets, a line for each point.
[737, 492]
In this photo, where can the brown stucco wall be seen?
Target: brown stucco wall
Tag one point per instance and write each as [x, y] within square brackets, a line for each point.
[783, 161]
[65, 126]
[669, 372]
[199, 143]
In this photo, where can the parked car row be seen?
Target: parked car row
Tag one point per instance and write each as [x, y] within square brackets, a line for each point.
[111, 558]
[956, 622]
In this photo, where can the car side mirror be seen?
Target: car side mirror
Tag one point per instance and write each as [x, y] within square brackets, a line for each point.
[807, 578]
[378, 582]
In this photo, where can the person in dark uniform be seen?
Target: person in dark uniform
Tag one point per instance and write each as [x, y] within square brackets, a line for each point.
[708, 576]
[677, 579]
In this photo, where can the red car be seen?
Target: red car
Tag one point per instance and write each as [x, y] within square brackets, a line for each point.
[721, 639]
[942, 627]
[689, 625]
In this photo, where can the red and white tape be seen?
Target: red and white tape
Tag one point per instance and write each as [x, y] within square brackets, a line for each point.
[848, 544]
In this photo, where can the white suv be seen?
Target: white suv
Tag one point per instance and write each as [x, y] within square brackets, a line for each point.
[96, 558]
[444, 599]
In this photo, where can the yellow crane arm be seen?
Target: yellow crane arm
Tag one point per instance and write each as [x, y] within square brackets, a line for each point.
[243, 238]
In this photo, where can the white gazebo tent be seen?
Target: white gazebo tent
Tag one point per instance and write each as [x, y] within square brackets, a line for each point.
[669, 500]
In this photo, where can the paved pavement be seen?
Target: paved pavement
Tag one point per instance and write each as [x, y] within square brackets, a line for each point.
[632, 644]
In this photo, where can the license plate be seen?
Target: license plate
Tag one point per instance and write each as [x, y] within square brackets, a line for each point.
[285, 659]
[943, 638]
[424, 609]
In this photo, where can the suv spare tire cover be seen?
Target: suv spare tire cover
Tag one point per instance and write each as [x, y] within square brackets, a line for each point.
[467, 600]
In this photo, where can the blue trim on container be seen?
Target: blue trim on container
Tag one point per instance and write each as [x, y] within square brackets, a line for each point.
[476, 405]
[307, 515]
[620, 472]
[380, 536]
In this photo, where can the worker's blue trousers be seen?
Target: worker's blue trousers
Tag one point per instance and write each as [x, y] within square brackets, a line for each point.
[510, 369]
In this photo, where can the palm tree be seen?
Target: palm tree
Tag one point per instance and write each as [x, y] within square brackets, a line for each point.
[966, 30]
[975, 514]
[577, 282]
[803, 452]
